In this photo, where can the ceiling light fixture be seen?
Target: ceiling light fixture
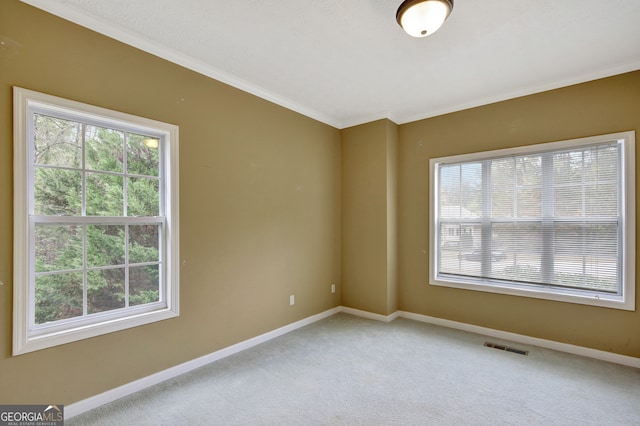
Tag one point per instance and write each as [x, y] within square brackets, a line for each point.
[420, 18]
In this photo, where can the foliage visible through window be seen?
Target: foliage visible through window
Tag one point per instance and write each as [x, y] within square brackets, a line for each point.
[84, 170]
[542, 220]
[99, 231]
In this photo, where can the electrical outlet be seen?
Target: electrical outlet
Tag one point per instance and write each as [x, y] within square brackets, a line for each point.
[333, 288]
[292, 300]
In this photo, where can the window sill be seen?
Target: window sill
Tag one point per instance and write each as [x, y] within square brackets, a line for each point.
[603, 300]
[25, 341]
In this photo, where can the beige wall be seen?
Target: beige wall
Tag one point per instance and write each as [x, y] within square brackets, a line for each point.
[368, 178]
[259, 200]
[599, 107]
[392, 216]
[261, 189]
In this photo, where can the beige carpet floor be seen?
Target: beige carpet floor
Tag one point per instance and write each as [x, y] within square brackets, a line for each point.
[346, 370]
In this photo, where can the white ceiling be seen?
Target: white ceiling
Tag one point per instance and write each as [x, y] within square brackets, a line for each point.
[346, 62]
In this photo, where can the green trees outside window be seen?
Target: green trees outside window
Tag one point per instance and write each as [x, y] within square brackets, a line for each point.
[87, 171]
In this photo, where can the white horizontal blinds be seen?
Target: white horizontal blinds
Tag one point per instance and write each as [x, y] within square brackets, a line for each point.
[586, 209]
[460, 213]
[518, 231]
[550, 218]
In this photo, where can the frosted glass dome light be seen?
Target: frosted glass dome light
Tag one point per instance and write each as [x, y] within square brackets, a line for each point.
[420, 18]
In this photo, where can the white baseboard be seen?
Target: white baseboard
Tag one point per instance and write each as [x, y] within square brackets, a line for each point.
[527, 340]
[369, 315]
[96, 401]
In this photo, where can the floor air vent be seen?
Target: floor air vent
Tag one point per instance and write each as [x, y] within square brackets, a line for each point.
[506, 348]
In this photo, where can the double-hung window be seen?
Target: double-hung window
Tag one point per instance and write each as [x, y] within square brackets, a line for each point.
[553, 221]
[96, 221]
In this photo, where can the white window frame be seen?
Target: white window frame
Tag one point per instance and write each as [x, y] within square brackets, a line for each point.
[26, 336]
[624, 301]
